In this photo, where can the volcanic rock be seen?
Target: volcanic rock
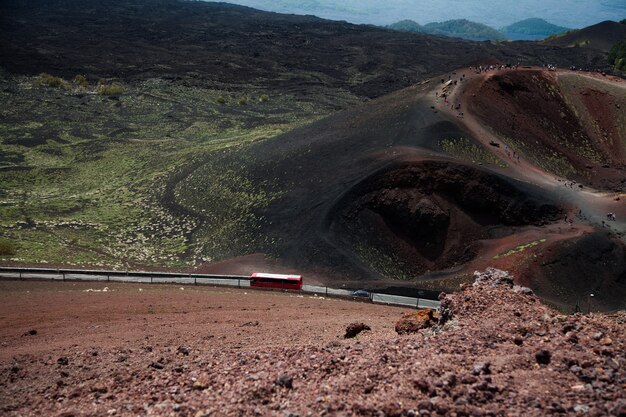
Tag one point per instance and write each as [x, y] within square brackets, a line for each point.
[414, 321]
[354, 329]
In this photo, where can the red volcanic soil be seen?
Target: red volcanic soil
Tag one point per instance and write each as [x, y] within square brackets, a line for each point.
[532, 114]
[208, 352]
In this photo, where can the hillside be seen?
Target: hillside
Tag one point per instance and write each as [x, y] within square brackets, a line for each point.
[407, 25]
[532, 29]
[223, 138]
[202, 352]
[236, 45]
[601, 36]
[463, 28]
[452, 28]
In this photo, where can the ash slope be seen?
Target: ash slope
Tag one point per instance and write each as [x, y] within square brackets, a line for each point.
[235, 44]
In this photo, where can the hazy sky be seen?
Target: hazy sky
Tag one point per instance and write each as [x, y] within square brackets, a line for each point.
[496, 13]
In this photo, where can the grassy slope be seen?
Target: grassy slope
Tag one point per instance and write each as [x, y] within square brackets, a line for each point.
[89, 186]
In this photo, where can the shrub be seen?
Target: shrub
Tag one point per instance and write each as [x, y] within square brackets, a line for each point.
[110, 90]
[263, 98]
[221, 100]
[7, 248]
[243, 101]
[48, 80]
[617, 55]
[81, 81]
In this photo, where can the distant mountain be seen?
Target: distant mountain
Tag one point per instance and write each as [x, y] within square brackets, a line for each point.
[601, 37]
[532, 29]
[460, 28]
[495, 13]
[407, 25]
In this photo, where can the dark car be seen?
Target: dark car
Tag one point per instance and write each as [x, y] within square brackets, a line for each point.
[361, 293]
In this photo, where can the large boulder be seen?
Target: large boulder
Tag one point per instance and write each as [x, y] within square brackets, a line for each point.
[414, 321]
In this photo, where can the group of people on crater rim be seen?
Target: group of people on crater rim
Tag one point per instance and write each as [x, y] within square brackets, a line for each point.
[493, 67]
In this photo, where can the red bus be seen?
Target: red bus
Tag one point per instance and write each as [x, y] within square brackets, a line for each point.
[288, 282]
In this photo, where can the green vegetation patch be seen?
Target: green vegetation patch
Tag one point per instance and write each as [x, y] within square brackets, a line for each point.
[467, 150]
[386, 264]
[520, 248]
[90, 176]
[617, 56]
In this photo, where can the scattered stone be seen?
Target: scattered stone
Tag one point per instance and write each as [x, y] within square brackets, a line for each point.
[183, 350]
[606, 341]
[353, 329]
[612, 363]
[250, 324]
[156, 365]
[101, 389]
[200, 385]
[523, 290]
[415, 321]
[581, 409]
[469, 379]
[543, 357]
[482, 368]
[63, 360]
[285, 381]
[518, 340]
[31, 332]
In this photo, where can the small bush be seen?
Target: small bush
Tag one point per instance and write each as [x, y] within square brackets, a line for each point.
[221, 100]
[81, 81]
[264, 98]
[110, 90]
[7, 248]
[617, 55]
[243, 101]
[48, 80]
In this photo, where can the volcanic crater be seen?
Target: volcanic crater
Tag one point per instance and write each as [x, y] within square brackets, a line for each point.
[433, 214]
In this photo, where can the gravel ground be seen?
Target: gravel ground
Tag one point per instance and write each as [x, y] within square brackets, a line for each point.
[499, 352]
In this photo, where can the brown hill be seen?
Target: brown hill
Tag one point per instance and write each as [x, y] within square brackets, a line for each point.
[601, 36]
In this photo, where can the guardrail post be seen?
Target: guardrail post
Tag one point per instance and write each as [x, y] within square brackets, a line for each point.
[151, 280]
[238, 283]
[195, 280]
[63, 275]
[108, 277]
[326, 291]
[417, 303]
[20, 274]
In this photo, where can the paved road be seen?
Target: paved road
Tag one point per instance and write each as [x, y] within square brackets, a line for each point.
[375, 297]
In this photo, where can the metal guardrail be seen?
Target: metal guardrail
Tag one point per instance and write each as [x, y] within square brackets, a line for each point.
[240, 281]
